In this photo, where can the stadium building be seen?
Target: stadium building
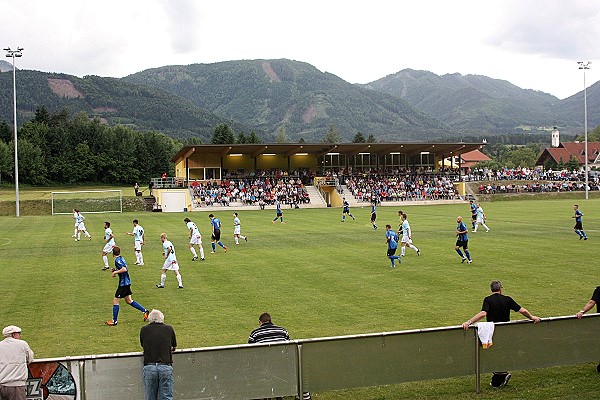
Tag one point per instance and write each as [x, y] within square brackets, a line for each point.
[306, 161]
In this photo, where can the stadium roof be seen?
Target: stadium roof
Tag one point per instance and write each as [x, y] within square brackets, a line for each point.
[320, 149]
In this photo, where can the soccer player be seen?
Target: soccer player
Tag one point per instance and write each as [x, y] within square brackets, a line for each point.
[407, 237]
[373, 214]
[392, 241]
[195, 238]
[462, 240]
[473, 213]
[170, 262]
[124, 288]
[279, 212]
[75, 221]
[237, 229]
[81, 226]
[138, 241]
[216, 234]
[578, 224]
[480, 218]
[109, 243]
[346, 210]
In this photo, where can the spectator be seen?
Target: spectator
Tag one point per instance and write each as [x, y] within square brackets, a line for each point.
[159, 342]
[15, 355]
[496, 307]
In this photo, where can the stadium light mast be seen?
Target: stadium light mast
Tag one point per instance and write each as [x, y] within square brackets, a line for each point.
[585, 65]
[13, 54]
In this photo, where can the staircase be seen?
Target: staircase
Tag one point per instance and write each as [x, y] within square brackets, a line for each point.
[350, 197]
[316, 200]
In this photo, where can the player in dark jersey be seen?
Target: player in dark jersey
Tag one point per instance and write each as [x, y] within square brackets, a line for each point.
[373, 214]
[578, 223]
[473, 213]
[124, 288]
[392, 241]
[279, 212]
[346, 210]
[216, 234]
[462, 240]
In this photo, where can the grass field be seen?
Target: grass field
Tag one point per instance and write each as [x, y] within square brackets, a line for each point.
[316, 276]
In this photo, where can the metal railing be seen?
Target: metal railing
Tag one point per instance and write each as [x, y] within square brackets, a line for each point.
[324, 364]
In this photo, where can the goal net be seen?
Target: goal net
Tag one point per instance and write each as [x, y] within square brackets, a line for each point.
[87, 201]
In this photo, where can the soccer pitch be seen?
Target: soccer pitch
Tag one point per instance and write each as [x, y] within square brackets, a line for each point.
[315, 275]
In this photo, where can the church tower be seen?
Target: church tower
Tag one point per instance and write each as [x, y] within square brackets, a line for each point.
[555, 137]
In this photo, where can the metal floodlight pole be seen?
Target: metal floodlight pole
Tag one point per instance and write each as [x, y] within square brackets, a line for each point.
[13, 54]
[585, 65]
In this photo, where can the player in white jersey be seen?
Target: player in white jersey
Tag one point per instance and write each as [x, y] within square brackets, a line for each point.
[237, 229]
[170, 262]
[480, 219]
[138, 241]
[195, 238]
[406, 236]
[109, 243]
[81, 226]
[75, 221]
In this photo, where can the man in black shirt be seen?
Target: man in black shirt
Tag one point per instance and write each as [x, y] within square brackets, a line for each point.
[590, 304]
[496, 307]
[158, 341]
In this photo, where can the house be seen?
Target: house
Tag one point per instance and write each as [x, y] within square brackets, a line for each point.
[554, 156]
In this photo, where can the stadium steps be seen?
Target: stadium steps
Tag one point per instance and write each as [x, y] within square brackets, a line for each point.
[349, 197]
[316, 200]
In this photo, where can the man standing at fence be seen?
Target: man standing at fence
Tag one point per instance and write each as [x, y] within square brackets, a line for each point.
[138, 241]
[496, 307]
[159, 342]
[267, 332]
[15, 354]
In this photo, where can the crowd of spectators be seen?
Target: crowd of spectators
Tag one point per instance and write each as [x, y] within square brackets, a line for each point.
[250, 191]
[537, 187]
[401, 188]
[509, 174]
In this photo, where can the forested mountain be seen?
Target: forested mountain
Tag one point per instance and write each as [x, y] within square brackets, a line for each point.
[270, 94]
[472, 103]
[112, 100]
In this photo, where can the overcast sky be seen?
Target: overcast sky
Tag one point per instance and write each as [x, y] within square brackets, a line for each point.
[534, 44]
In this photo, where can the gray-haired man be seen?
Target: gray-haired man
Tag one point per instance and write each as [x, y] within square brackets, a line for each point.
[15, 354]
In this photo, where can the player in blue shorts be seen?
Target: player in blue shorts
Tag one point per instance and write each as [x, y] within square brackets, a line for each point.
[373, 214]
[124, 288]
[392, 241]
[578, 223]
[462, 241]
[216, 234]
[279, 213]
[346, 210]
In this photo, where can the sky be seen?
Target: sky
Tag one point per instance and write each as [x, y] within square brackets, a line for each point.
[534, 44]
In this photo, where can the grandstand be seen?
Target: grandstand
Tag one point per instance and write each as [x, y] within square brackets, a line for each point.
[255, 175]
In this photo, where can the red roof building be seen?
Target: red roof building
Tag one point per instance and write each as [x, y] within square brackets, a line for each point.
[566, 151]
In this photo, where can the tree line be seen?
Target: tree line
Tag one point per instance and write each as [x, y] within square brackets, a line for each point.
[55, 148]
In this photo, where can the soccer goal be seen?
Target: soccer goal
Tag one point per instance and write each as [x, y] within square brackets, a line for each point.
[87, 201]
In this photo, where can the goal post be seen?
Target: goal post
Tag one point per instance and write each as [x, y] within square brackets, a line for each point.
[87, 201]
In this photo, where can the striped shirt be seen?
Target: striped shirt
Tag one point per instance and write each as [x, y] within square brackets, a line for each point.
[268, 333]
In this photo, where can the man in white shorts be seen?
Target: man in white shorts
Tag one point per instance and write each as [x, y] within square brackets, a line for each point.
[170, 262]
[406, 236]
[138, 241]
[80, 226]
[195, 238]
[75, 221]
[109, 243]
[237, 229]
[480, 219]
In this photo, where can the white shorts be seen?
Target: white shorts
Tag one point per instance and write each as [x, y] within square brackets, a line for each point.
[480, 220]
[171, 264]
[405, 239]
[196, 240]
[237, 230]
[137, 245]
[81, 227]
[108, 248]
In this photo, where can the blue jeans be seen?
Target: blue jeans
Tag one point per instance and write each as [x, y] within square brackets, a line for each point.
[158, 382]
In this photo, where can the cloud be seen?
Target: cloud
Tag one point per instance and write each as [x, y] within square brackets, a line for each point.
[567, 30]
[183, 21]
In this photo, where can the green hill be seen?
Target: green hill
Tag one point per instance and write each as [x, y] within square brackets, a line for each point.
[114, 101]
[268, 94]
